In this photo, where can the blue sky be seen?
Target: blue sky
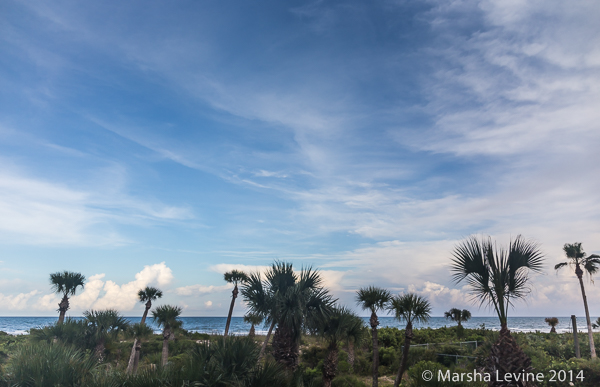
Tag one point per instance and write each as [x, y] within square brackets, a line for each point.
[154, 143]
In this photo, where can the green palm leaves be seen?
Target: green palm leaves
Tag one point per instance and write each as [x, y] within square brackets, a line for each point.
[496, 275]
[373, 298]
[410, 308]
[149, 293]
[458, 315]
[294, 302]
[65, 283]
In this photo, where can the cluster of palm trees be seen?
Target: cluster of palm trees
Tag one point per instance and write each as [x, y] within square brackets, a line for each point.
[292, 303]
[107, 323]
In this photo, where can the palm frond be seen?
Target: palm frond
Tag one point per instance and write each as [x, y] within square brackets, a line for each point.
[411, 308]
[149, 293]
[373, 298]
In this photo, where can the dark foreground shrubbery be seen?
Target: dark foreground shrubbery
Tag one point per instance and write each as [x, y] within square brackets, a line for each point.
[63, 357]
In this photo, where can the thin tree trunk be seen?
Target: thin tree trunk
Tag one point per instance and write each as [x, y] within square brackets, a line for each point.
[351, 355]
[165, 348]
[131, 357]
[63, 306]
[330, 365]
[136, 362]
[148, 306]
[587, 313]
[407, 338]
[374, 322]
[252, 332]
[264, 345]
[234, 295]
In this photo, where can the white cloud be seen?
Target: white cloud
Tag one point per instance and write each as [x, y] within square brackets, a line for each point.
[208, 304]
[124, 297]
[16, 302]
[194, 290]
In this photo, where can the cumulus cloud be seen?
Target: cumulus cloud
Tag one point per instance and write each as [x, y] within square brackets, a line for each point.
[124, 297]
[17, 301]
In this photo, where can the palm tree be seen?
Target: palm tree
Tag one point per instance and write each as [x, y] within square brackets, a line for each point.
[579, 260]
[458, 315]
[291, 302]
[410, 308]
[374, 299]
[139, 332]
[596, 324]
[333, 329]
[65, 283]
[146, 295]
[355, 333]
[497, 277]
[553, 322]
[166, 317]
[104, 325]
[253, 319]
[233, 277]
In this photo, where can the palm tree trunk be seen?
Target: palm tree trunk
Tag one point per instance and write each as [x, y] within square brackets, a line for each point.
[148, 306]
[351, 356]
[131, 357]
[285, 347]
[330, 365]
[587, 313]
[407, 338]
[252, 332]
[165, 348]
[136, 362]
[264, 345]
[63, 306]
[374, 322]
[234, 295]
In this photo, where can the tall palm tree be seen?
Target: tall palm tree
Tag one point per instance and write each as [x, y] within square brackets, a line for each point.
[458, 315]
[166, 317]
[233, 277]
[497, 277]
[146, 295]
[582, 263]
[411, 308]
[66, 283]
[374, 299]
[290, 302]
[334, 328]
[104, 325]
[553, 322]
[253, 319]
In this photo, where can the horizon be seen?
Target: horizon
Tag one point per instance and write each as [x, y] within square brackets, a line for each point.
[152, 144]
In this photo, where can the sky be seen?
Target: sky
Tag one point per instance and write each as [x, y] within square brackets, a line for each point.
[154, 143]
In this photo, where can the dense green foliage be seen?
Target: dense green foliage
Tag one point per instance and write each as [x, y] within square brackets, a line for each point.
[211, 361]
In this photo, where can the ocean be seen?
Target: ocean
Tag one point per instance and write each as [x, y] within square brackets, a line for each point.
[216, 325]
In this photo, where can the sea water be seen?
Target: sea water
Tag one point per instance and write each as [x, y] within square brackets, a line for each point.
[216, 325]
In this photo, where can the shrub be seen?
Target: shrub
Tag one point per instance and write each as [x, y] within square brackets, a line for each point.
[49, 364]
